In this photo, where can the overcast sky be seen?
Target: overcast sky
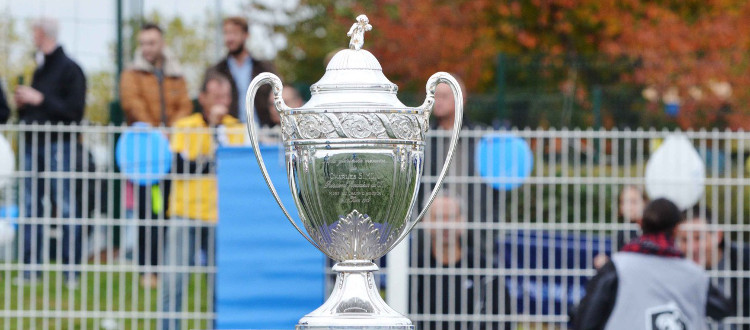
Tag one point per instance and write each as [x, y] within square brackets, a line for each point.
[88, 26]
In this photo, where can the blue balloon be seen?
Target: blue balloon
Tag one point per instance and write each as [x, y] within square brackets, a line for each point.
[143, 155]
[504, 160]
[672, 109]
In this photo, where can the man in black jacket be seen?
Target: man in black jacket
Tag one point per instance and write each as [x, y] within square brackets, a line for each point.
[708, 247]
[651, 283]
[241, 68]
[453, 292]
[481, 200]
[57, 95]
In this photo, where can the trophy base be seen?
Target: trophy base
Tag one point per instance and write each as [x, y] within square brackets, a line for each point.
[355, 303]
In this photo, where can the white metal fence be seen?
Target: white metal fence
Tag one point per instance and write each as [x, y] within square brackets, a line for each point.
[513, 251]
[93, 250]
[534, 239]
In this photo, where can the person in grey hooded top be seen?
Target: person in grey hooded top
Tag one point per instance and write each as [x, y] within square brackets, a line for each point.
[650, 285]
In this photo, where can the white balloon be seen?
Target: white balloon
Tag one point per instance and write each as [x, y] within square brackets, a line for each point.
[8, 163]
[676, 172]
[7, 232]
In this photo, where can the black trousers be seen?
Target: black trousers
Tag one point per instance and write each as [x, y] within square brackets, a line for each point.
[151, 237]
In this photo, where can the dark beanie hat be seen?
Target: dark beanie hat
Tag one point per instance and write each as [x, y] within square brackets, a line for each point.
[661, 215]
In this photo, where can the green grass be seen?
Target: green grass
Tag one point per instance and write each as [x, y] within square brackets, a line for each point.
[114, 292]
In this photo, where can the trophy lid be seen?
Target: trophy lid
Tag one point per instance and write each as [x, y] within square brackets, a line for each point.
[354, 76]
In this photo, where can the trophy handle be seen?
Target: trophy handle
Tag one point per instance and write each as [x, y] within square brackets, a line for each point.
[429, 102]
[275, 82]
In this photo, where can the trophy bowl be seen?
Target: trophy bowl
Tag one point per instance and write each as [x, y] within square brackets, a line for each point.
[354, 158]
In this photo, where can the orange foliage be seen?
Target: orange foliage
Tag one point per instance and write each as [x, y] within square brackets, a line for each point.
[689, 51]
[415, 38]
[690, 45]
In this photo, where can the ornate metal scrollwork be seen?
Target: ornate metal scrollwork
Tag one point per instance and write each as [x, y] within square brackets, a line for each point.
[410, 127]
[355, 237]
[355, 305]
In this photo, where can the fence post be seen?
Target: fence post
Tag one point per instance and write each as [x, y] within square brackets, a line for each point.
[500, 77]
[397, 272]
[597, 103]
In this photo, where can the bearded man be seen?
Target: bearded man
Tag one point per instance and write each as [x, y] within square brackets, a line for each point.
[241, 68]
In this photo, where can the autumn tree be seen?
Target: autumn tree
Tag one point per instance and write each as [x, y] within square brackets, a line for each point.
[692, 51]
[690, 48]
[412, 39]
[311, 40]
[687, 50]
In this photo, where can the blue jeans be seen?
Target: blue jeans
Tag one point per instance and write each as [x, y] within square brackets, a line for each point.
[56, 161]
[186, 238]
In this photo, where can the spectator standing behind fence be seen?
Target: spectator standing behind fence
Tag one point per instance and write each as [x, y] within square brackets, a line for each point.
[481, 199]
[194, 206]
[632, 201]
[242, 68]
[57, 95]
[649, 284]
[443, 114]
[4, 108]
[709, 248]
[444, 246]
[153, 91]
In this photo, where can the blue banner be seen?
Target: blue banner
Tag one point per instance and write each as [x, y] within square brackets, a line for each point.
[269, 276]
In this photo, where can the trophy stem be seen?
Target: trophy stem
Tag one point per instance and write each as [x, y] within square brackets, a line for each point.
[355, 302]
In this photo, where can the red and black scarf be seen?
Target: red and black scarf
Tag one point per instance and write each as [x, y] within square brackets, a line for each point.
[659, 244]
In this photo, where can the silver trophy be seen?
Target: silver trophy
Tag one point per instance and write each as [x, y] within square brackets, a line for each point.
[354, 158]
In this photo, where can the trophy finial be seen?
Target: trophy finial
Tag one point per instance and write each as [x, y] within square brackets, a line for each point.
[357, 32]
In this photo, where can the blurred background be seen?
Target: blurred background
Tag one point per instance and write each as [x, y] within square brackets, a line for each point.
[526, 63]
[569, 103]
